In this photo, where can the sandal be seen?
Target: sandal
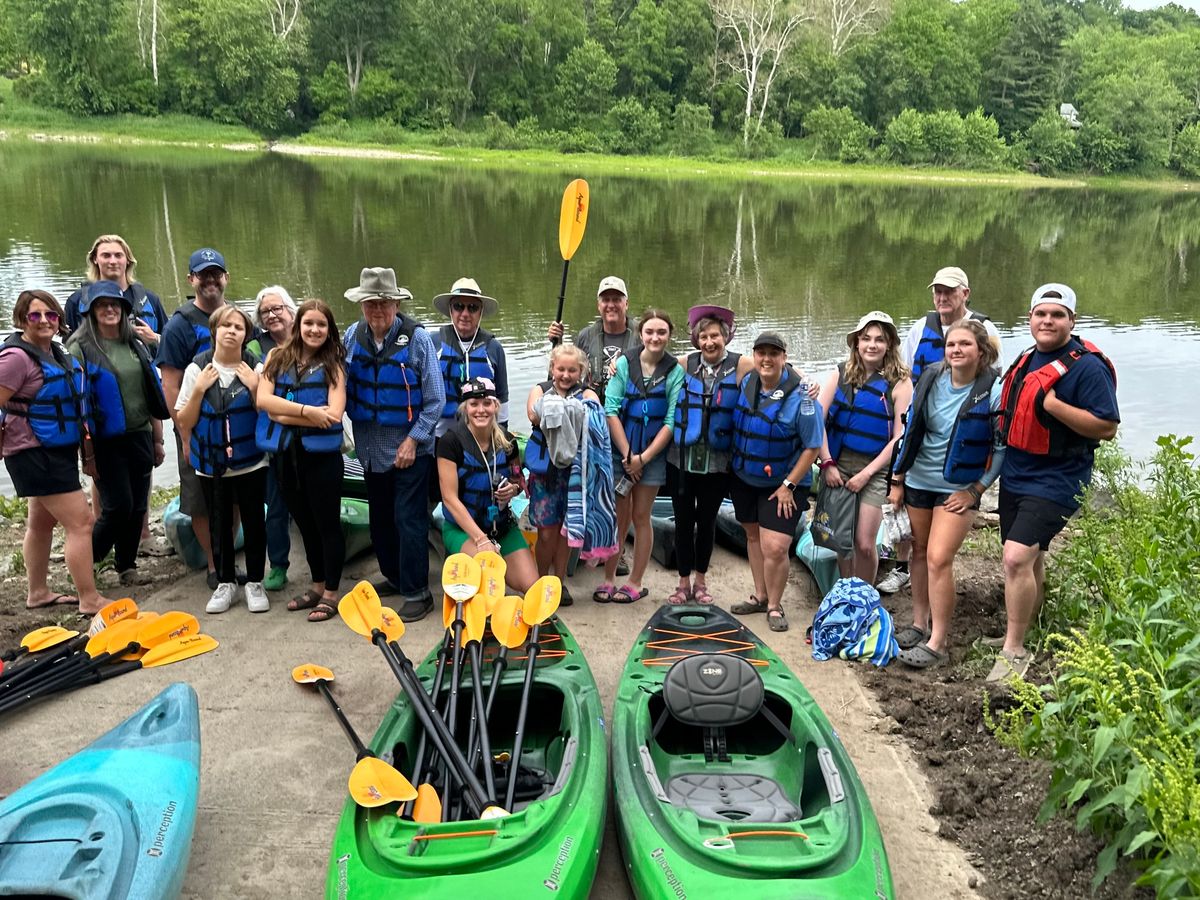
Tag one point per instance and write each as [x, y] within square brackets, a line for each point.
[746, 607]
[777, 620]
[307, 600]
[603, 594]
[909, 637]
[679, 597]
[922, 656]
[701, 595]
[627, 593]
[322, 612]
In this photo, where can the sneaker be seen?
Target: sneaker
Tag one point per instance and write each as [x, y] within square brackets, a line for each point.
[622, 565]
[132, 576]
[256, 597]
[276, 579]
[222, 598]
[895, 580]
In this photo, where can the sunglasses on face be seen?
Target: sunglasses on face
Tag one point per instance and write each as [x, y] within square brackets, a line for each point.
[36, 316]
[472, 308]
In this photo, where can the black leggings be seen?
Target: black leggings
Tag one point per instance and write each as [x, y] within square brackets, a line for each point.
[123, 467]
[695, 500]
[248, 492]
[312, 488]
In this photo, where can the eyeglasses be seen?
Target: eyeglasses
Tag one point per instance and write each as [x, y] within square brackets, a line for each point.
[472, 308]
[272, 311]
[37, 316]
[106, 304]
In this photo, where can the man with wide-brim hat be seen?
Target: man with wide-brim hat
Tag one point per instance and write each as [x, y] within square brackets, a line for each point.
[394, 397]
[465, 350]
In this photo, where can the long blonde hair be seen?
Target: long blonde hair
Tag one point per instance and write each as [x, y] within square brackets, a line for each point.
[893, 369]
[499, 439]
[577, 355]
[93, 270]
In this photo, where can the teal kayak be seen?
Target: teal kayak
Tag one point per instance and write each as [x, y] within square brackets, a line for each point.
[115, 820]
[729, 780]
[549, 845]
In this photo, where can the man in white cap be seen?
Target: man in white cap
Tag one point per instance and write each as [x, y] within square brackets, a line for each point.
[924, 346]
[394, 397]
[611, 334]
[1059, 403]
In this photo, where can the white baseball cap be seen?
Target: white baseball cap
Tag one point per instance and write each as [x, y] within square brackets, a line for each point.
[612, 283]
[1053, 293]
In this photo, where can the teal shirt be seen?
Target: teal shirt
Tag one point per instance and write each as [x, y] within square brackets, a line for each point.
[614, 391]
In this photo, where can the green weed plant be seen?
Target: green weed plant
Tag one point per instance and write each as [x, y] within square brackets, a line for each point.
[1119, 719]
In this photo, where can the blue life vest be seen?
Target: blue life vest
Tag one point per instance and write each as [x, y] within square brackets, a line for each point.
[57, 413]
[704, 415]
[223, 437]
[198, 320]
[763, 447]
[537, 455]
[860, 420]
[143, 307]
[312, 390]
[106, 402]
[381, 385]
[644, 407]
[475, 483]
[971, 439]
[932, 346]
[457, 371]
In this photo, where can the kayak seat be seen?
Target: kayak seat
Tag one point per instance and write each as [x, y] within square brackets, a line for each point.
[733, 797]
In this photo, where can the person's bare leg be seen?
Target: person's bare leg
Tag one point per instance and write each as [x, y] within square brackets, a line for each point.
[1021, 592]
[72, 512]
[547, 547]
[200, 527]
[866, 550]
[643, 531]
[945, 537]
[776, 564]
[754, 552]
[624, 517]
[922, 521]
[39, 534]
[521, 570]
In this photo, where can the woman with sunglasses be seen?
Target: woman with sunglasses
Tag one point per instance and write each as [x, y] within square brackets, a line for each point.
[465, 350]
[125, 398]
[43, 427]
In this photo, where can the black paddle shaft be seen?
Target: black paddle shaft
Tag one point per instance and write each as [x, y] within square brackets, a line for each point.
[514, 763]
[423, 742]
[360, 748]
[427, 715]
[481, 732]
[562, 291]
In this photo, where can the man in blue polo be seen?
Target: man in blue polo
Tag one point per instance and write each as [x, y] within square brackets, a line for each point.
[394, 397]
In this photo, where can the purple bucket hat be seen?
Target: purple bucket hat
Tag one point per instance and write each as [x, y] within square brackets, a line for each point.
[708, 311]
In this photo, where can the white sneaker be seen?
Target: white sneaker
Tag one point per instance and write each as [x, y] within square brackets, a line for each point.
[222, 597]
[895, 580]
[256, 597]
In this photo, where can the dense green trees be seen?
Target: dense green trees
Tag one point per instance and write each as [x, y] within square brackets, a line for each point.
[919, 82]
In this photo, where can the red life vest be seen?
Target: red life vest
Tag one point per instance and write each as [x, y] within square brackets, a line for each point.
[1024, 423]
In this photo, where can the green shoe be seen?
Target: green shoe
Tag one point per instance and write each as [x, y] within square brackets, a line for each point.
[276, 580]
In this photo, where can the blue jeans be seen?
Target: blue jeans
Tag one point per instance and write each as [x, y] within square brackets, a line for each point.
[397, 501]
[279, 525]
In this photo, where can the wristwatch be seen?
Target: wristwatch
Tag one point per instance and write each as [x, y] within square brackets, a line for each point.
[790, 485]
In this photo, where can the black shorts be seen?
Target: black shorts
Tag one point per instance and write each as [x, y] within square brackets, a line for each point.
[752, 506]
[44, 471]
[919, 499]
[1030, 520]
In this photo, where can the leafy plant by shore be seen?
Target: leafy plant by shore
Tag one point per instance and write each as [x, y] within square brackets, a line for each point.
[1118, 719]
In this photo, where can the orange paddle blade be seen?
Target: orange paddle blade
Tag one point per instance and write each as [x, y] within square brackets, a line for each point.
[428, 807]
[508, 626]
[361, 610]
[374, 783]
[178, 650]
[392, 626]
[47, 637]
[310, 673]
[572, 219]
[460, 576]
[112, 613]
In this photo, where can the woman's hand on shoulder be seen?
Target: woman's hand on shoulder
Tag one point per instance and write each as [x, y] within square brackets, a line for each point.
[207, 378]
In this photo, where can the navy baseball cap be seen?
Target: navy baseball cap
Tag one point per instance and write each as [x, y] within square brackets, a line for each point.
[205, 258]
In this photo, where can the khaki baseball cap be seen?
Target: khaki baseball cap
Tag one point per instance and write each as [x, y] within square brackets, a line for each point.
[612, 283]
[952, 277]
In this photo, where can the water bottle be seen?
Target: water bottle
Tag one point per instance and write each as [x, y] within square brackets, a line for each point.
[807, 405]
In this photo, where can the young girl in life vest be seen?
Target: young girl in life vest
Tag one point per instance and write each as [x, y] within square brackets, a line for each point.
[866, 398]
[949, 456]
[640, 404]
[479, 473]
[301, 398]
[216, 407]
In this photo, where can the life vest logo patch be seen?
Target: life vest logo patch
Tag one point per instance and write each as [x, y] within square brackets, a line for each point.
[402, 340]
[777, 395]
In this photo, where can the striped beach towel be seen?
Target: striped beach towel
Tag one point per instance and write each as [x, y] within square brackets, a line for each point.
[851, 623]
[591, 521]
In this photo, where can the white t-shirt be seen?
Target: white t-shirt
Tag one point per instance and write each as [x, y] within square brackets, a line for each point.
[225, 375]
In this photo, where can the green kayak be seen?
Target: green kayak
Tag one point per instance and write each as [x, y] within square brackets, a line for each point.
[551, 842]
[729, 779]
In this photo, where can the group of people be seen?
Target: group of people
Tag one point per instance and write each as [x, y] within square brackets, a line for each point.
[264, 405]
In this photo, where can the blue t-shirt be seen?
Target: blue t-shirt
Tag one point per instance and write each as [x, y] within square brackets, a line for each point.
[803, 416]
[178, 346]
[942, 404]
[1088, 385]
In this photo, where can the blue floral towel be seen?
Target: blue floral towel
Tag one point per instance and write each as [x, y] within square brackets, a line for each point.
[852, 623]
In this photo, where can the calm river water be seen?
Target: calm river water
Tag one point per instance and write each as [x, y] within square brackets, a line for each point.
[804, 257]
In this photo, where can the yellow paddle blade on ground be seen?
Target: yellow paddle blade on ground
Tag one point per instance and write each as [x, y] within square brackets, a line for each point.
[145, 615]
[361, 610]
[47, 637]
[448, 609]
[393, 626]
[114, 639]
[507, 625]
[428, 808]
[175, 624]
[541, 600]
[374, 783]
[572, 219]
[112, 613]
[460, 576]
[475, 618]
[311, 673]
[179, 649]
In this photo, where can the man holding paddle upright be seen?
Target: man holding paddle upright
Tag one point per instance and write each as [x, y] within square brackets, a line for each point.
[394, 397]
[612, 334]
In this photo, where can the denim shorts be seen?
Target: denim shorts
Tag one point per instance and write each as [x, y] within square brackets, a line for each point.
[654, 473]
